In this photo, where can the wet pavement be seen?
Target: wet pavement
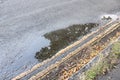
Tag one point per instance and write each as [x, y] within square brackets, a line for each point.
[113, 74]
[24, 22]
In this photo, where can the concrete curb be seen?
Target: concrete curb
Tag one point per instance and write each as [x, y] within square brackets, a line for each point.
[105, 52]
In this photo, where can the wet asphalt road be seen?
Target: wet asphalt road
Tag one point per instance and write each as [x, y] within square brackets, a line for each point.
[23, 23]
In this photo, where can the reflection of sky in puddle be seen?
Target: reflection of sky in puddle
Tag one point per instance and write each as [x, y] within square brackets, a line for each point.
[34, 45]
[62, 38]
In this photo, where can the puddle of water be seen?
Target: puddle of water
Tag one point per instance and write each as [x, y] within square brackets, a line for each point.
[59, 39]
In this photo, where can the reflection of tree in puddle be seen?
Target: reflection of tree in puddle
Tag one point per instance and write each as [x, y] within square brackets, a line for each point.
[62, 38]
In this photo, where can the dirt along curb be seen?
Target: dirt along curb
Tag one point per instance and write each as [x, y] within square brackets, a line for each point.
[80, 74]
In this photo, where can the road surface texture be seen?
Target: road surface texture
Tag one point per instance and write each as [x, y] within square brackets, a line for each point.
[23, 22]
[112, 75]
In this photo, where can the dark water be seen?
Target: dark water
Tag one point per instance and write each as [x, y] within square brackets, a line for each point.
[61, 38]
